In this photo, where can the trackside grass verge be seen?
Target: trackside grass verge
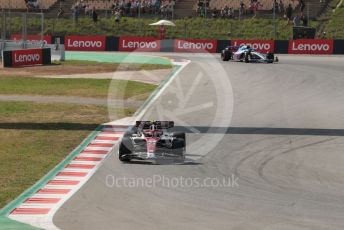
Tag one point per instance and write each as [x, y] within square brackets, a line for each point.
[36, 137]
[72, 87]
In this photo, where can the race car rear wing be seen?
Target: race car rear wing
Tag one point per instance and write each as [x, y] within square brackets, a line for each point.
[158, 124]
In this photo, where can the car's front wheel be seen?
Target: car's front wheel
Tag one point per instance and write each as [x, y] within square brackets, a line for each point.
[226, 55]
[125, 150]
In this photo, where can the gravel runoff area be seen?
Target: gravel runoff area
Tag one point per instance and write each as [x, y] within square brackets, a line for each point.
[145, 76]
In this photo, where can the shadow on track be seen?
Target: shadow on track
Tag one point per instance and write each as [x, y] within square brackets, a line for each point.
[186, 129]
[48, 126]
[260, 130]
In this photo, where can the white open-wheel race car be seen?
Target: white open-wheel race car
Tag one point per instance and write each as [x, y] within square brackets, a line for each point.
[245, 53]
[152, 141]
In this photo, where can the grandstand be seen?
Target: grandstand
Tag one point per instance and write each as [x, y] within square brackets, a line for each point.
[312, 7]
[235, 4]
[181, 8]
[22, 4]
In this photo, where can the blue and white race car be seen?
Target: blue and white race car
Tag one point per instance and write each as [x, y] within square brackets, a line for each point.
[247, 54]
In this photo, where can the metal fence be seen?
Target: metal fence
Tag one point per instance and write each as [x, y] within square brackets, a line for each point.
[21, 23]
[264, 25]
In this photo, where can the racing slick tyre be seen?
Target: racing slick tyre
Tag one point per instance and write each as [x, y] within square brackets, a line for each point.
[178, 146]
[247, 57]
[130, 132]
[270, 57]
[125, 150]
[226, 55]
[179, 135]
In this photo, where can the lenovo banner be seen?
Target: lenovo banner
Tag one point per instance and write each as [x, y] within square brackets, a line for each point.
[310, 46]
[26, 57]
[139, 44]
[32, 38]
[263, 46]
[196, 46]
[85, 43]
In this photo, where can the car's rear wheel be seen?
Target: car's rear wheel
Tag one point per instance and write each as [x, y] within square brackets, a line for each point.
[247, 57]
[179, 147]
[179, 135]
[270, 57]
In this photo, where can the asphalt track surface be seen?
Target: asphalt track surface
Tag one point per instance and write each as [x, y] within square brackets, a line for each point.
[285, 144]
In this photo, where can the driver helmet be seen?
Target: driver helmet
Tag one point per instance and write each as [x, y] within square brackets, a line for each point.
[153, 127]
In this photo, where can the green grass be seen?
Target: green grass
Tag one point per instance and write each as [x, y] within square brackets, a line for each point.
[250, 28]
[72, 87]
[334, 26]
[35, 137]
[8, 224]
[62, 113]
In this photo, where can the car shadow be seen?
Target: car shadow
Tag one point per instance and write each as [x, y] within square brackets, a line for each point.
[164, 162]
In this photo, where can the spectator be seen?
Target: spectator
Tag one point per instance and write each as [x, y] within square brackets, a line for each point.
[162, 10]
[296, 20]
[173, 3]
[150, 7]
[281, 6]
[200, 3]
[275, 6]
[127, 7]
[133, 8]
[60, 13]
[157, 5]
[227, 12]
[32, 5]
[117, 16]
[122, 6]
[302, 5]
[76, 12]
[242, 7]
[304, 20]
[94, 15]
[230, 12]
[82, 4]
[143, 7]
[27, 5]
[255, 7]
[214, 14]
[162, 32]
[288, 13]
